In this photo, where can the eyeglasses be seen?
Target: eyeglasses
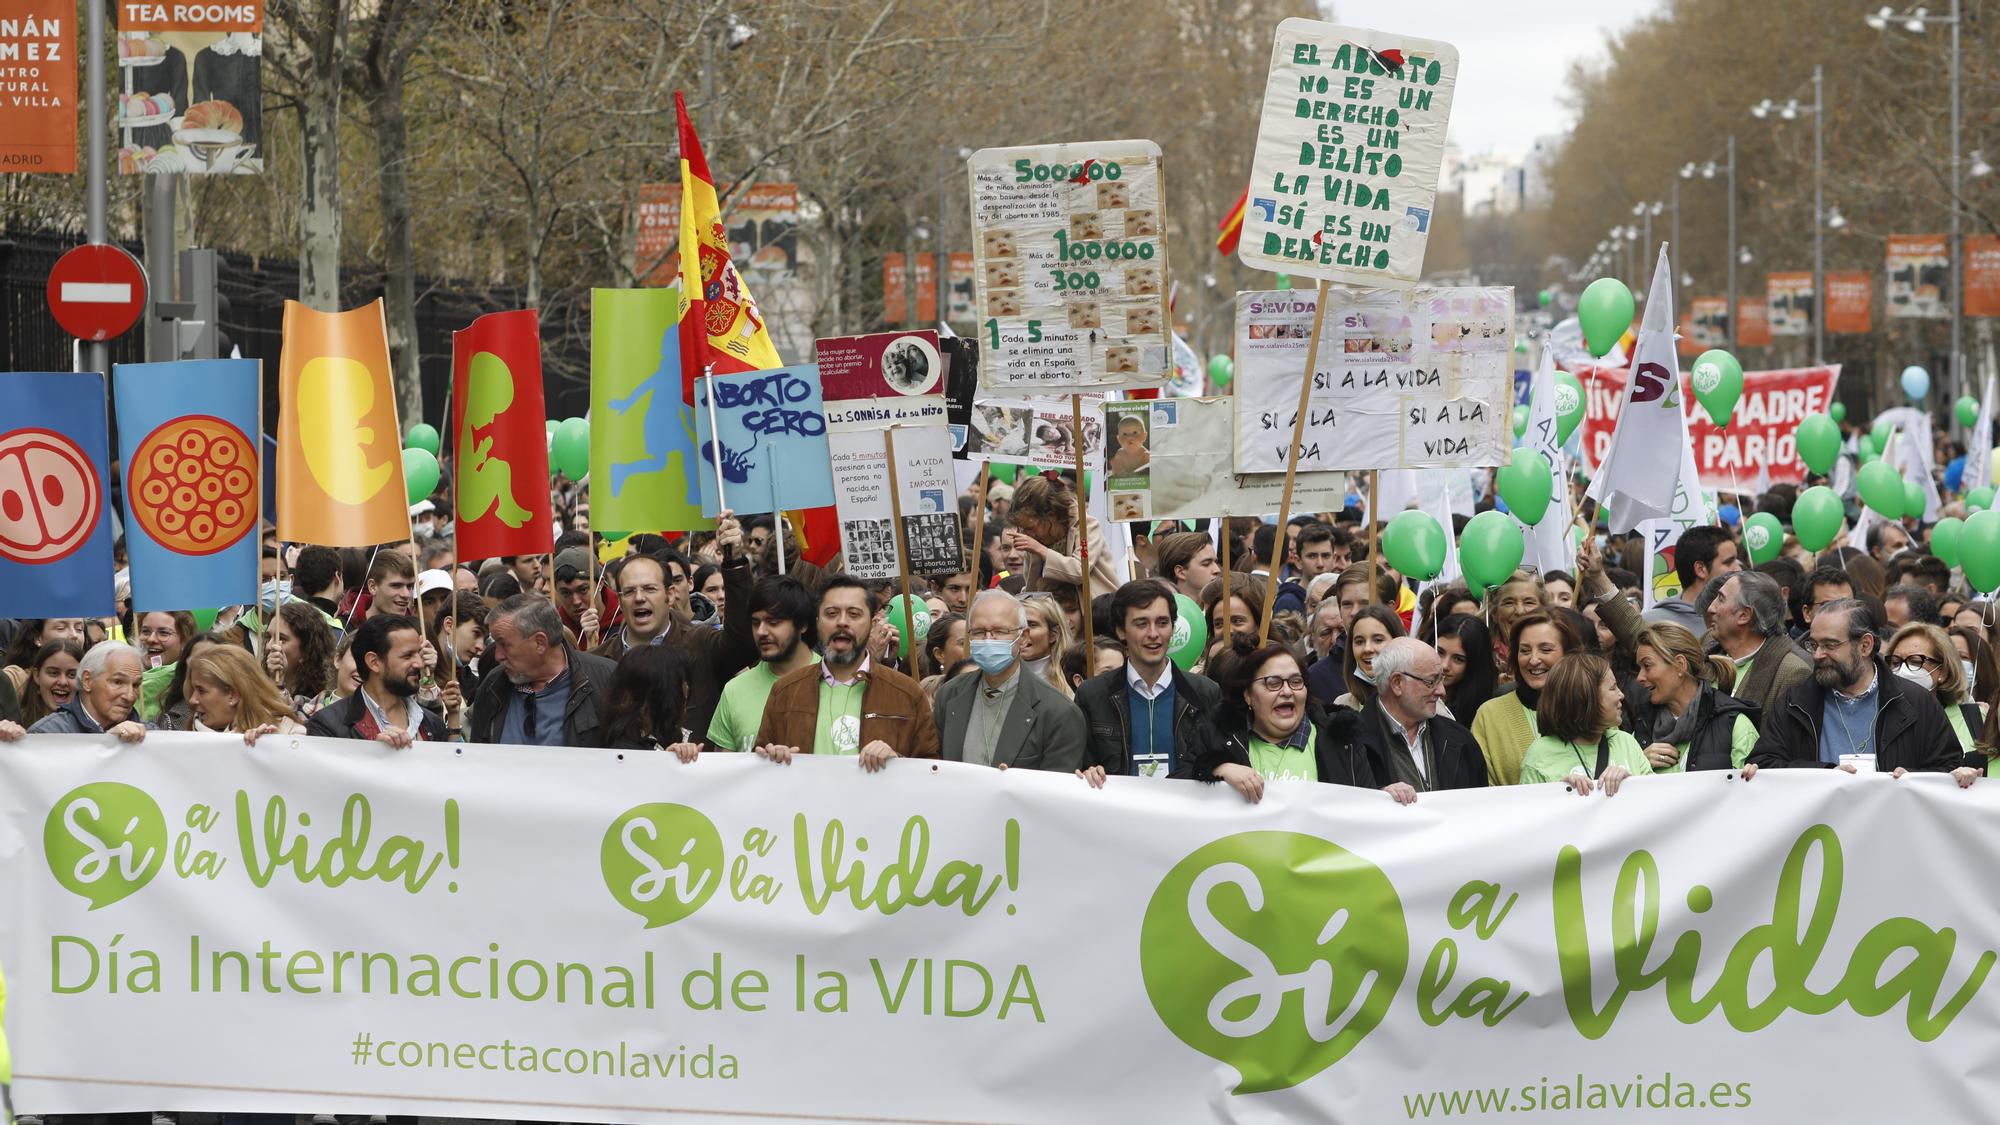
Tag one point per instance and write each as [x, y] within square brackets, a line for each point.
[1915, 663]
[647, 591]
[994, 634]
[1429, 682]
[1816, 646]
[1276, 684]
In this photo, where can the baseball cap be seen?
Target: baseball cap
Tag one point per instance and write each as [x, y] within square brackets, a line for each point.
[433, 580]
[422, 508]
[572, 563]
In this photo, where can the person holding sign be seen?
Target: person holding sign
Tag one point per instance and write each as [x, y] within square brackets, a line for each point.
[847, 703]
[1044, 519]
[1262, 731]
[1580, 708]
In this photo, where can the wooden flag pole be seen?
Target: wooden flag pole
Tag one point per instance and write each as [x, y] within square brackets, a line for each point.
[1292, 467]
[1374, 493]
[902, 538]
[979, 525]
[1082, 533]
[1224, 536]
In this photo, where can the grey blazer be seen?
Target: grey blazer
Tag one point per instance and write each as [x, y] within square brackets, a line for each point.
[1042, 730]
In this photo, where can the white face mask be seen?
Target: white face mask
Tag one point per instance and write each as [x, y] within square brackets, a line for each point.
[1917, 676]
[1971, 675]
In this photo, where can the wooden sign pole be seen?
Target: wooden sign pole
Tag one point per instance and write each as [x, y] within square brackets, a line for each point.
[1374, 494]
[902, 538]
[1292, 467]
[1082, 534]
[979, 527]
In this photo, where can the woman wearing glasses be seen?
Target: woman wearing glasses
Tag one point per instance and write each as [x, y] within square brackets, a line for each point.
[1263, 731]
[1923, 655]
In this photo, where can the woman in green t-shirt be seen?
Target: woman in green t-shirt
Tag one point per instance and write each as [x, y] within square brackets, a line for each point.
[1923, 655]
[1263, 731]
[1685, 716]
[1579, 713]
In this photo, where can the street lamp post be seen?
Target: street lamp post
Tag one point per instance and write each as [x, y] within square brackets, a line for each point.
[1790, 112]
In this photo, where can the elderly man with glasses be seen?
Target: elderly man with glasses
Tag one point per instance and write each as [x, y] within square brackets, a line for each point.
[1851, 714]
[998, 716]
[1409, 746]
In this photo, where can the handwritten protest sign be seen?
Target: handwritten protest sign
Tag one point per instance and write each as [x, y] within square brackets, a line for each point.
[1187, 472]
[1070, 266]
[1348, 153]
[773, 445]
[1761, 431]
[870, 384]
[1405, 379]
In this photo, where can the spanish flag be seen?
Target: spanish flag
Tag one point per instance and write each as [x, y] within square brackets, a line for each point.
[340, 467]
[721, 327]
[1231, 227]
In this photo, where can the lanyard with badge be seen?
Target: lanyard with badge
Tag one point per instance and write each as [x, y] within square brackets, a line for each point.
[1603, 755]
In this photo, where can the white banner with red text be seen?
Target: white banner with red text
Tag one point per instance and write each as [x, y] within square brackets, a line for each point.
[310, 926]
[1761, 432]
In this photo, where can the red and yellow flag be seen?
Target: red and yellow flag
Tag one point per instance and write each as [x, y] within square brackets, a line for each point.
[340, 467]
[721, 328]
[1231, 227]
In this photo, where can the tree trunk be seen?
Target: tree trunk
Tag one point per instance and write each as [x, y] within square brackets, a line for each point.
[392, 144]
[319, 218]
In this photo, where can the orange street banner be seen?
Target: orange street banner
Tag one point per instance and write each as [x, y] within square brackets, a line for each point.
[1982, 275]
[37, 86]
[721, 328]
[1753, 329]
[340, 468]
[1850, 302]
[658, 257]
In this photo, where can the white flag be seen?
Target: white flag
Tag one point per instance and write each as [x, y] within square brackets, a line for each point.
[1911, 456]
[1550, 546]
[1690, 507]
[1979, 455]
[1637, 478]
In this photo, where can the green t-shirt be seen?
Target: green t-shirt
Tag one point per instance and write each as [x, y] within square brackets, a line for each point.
[740, 711]
[1285, 763]
[153, 685]
[839, 729]
[1551, 759]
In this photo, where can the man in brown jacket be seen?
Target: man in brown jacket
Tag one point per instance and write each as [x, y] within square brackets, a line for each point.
[846, 704]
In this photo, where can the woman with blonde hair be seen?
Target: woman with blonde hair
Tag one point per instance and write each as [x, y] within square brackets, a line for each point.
[1045, 639]
[1685, 716]
[228, 692]
[1043, 523]
[1923, 654]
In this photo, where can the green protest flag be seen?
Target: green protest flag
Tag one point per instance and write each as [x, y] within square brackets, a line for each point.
[642, 452]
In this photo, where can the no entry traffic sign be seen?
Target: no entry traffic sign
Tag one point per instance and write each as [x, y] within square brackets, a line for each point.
[97, 291]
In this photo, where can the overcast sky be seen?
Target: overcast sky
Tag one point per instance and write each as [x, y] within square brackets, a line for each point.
[1513, 56]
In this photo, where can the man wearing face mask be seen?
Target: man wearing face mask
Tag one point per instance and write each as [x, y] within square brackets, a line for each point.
[1000, 717]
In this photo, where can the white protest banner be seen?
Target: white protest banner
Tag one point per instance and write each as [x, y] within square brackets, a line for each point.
[1978, 465]
[1071, 267]
[871, 384]
[313, 926]
[1550, 544]
[1190, 474]
[1405, 379]
[1349, 147]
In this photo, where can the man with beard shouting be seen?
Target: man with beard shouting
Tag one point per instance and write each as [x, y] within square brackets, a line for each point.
[389, 657]
[1852, 712]
[846, 704]
[781, 615]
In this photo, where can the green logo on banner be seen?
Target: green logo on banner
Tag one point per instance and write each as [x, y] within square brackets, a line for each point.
[1273, 952]
[104, 841]
[662, 862]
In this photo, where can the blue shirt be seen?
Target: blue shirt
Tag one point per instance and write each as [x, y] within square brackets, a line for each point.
[550, 703]
[1847, 726]
[1152, 726]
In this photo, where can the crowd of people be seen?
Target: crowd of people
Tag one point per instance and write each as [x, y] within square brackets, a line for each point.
[1349, 675]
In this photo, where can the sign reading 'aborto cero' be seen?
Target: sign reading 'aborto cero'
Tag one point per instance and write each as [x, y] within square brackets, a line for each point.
[1348, 152]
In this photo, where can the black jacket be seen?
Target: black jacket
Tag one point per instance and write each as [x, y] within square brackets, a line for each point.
[1459, 762]
[340, 718]
[583, 714]
[1106, 708]
[1339, 759]
[1710, 748]
[1910, 729]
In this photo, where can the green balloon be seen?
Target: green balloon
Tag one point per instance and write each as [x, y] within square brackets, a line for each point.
[420, 473]
[1979, 499]
[1866, 452]
[551, 425]
[1284, 281]
[1490, 548]
[1839, 411]
[1520, 420]
[1414, 543]
[569, 453]
[1526, 485]
[1881, 488]
[1979, 550]
[1190, 636]
[1879, 436]
[1718, 384]
[1221, 369]
[1818, 438]
[204, 619]
[1569, 406]
[911, 618]
[1605, 312]
[1816, 517]
[1764, 536]
[1968, 411]
[1945, 539]
[1914, 500]
[422, 436]
[1544, 297]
